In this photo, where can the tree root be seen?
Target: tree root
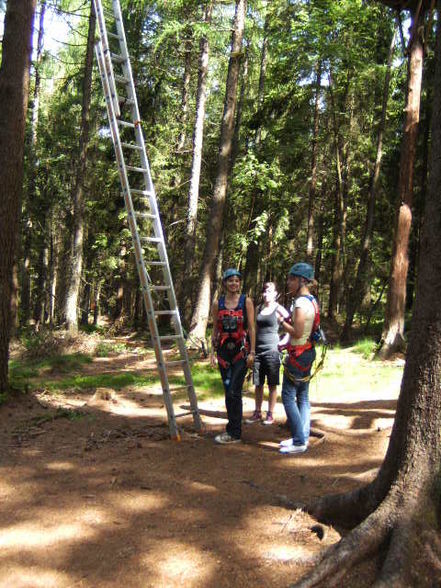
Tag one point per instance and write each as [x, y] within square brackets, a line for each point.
[413, 554]
[363, 541]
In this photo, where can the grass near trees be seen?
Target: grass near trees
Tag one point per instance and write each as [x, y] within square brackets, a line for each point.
[345, 371]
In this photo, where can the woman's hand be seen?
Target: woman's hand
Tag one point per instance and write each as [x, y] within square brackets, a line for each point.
[213, 361]
[250, 359]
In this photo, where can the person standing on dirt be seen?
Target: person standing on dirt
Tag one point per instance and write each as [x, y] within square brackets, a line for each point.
[301, 355]
[267, 361]
[234, 341]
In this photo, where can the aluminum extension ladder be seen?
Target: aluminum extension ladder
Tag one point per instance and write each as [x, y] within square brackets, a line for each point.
[141, 205]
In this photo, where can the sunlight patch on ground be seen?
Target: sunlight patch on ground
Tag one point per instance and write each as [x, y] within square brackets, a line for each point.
[60, 466]
[201, 487]
[20, 577]
[285, 553]
[27, 536]
[175, 564]
[140, 502]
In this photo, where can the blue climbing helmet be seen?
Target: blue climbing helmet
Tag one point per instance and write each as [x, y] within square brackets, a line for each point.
[304, 270]
[230, 272]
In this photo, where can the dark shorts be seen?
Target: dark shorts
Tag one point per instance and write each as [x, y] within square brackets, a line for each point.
[266, 365]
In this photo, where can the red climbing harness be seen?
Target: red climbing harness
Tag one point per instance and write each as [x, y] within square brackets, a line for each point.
[231, 328]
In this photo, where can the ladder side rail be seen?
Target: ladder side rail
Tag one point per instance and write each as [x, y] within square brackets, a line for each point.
[99, 11]
[143, 274]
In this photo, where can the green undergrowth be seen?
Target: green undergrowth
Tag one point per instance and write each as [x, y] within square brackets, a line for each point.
[116, 381]
[106, 348]
[365, 347]
[206, 380]
[22, 371]
[348, 375]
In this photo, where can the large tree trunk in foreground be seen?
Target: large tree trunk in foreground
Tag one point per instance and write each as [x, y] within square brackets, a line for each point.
[393, 330]
[76, 256]
[200, 315]
[399, 511]
[14, 84]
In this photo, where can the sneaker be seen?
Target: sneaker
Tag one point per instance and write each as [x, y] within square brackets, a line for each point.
[256, 417]
[269, 419]
[225, 439]
[293, 449]
[286, 443]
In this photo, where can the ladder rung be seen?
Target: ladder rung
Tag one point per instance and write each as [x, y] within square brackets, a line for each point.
[169, 337]
[179, 388]
[131, 146]
[151, 239]
[124, 123]
[124, 101]
[183, 414]
[175, 362]
[155, 263]
[114, 36]
[164, 312]
[142, 192]
[121, 79]
[117, 58]
[145, 214]
[135, 169]
[159, 288]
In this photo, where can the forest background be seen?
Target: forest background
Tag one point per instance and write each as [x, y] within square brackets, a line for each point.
[313, 172]
[316, 150]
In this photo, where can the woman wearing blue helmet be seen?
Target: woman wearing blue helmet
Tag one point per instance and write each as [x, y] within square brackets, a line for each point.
[295, 387]
[234, 341]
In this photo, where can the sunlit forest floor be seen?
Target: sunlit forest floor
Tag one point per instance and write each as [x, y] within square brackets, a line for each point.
[93, 492]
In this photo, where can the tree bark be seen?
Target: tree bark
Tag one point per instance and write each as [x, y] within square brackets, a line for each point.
[200, 315]
[188, 45]
[76, 255]
[198, 135]
[401, 506]
[356, 292]
[393, 330]
[314, 156]
[26, 230]
[14, 87]
[339, 213]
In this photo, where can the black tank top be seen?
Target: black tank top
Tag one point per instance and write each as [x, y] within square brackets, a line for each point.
[267, 331]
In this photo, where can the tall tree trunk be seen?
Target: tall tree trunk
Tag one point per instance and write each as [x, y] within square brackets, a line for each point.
[53, 269]
[237, 125]
[214, 228]
[400, 509]
[76, 255]
[314, 155]
[27, 221]
[356, 293]
[41, 282]
[14, 88]
[198, 135]
[188, 45]
[339, 212]
[393, 330]
[262, 74]
[257, 202]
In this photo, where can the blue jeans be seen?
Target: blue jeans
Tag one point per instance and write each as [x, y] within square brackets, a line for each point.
[233, 378]
[295, 398]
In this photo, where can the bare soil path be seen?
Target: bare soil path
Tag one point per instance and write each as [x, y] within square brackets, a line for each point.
[94, 494]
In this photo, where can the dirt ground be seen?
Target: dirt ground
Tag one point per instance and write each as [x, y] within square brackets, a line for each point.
[93, 493]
